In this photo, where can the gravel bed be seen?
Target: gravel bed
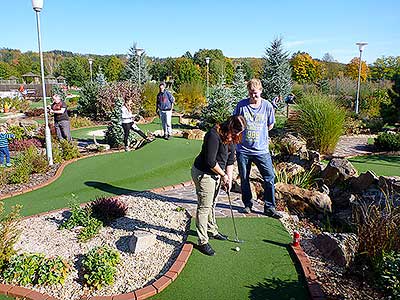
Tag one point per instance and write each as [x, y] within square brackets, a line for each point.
[334, 281]
[145, 212]
[34, 180]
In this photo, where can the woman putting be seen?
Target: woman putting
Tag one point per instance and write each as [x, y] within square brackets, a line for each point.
[211, 168]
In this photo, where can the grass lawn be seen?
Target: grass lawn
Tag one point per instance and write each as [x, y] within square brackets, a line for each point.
[384, 165]
[263, 269]
[157, 164]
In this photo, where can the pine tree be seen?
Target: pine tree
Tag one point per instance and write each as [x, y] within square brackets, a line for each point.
[115, 134]
[239, 89]
[100, 78]
[220, 106]
[131, 71]
[277, 73]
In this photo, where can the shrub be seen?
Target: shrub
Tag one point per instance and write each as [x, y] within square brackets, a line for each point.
[378, 229]
[53, 271]
[388, 271]
[19, 174]
[56, 89]
[149, 96]
[35, 112]
[21, 145]
[73, 102]
[9, 233]
[321, 121]
[33, 158]
[78, 122]
[82, 217]
[22, 269]
[191, 98]
[18, 131]
[388, 141]
[69, 149]
[99, 266]
[304, 179]
[87, 102]
[108, 209]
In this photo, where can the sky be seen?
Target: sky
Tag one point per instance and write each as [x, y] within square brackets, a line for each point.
[239, 28]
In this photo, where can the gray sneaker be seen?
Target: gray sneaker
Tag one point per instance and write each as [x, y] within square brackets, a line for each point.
[247, 210]
[273, 213]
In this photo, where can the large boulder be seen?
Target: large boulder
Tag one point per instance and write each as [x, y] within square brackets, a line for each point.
[301, 200]
[363, 181]
[290, 169]
[292, 145]
[390, 184]
[338, 171]
[141, 240]
[338, 247]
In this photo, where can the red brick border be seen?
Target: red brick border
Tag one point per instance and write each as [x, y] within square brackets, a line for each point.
[313, 285]
[139, 294]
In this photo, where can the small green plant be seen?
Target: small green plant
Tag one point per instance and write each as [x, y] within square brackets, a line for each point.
[388, 271]
[9, 233]
[81, 216]
[22, 269]
[69, 149]
[107, 209]
[99, 266]
[53, 271]
[388, 142]
[304, 179]
[78, 122]
[19, 174]
[180, 208]
[18, 131]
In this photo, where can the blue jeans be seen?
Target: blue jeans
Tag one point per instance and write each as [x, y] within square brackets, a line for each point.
[4, 152]
[263, 163]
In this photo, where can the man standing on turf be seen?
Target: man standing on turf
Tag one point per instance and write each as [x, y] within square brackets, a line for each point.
[165, 104]
[260, 118]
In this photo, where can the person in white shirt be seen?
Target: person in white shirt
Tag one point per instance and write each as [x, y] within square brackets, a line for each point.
[128, 124]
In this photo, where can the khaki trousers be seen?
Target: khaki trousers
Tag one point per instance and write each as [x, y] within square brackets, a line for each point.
[207, 188]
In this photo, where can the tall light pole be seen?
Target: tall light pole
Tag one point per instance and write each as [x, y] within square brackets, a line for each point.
[207, 63]
[139, 52]
[37, 7]
[91, 70]
[361, 46]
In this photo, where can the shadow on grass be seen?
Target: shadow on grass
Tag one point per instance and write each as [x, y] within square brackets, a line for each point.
[275, 288]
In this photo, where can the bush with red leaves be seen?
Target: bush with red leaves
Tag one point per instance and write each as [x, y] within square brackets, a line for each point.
[107, 209]
[21, 145]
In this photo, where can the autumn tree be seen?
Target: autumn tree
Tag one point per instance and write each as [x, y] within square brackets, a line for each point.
[385, 67]
[305, 69]
[113, 68]
[351, 70]
[185, 71]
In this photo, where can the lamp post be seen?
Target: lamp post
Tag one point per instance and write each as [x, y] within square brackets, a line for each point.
[207, 63]
[90, 66]
[361, 46]
[139, 52]
[37, 6]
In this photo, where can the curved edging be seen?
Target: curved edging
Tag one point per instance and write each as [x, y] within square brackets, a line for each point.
[58, 173]
[142, 293]
[313, 285]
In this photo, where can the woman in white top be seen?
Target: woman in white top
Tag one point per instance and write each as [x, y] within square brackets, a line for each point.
[129, 124]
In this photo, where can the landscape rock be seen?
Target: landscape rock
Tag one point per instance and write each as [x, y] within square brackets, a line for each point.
[194, 134]
[337, 171]
[302, 200]
[363, 181]
[141, 240]
[338, 247]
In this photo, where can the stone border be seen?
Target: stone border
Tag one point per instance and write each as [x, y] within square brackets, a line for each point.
[313, 286]
[139, 294]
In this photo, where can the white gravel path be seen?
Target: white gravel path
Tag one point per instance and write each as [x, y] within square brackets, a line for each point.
[41, 234]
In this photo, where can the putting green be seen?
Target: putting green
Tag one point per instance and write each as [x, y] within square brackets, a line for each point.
[159, 163]
[382, 165]
[262, 269]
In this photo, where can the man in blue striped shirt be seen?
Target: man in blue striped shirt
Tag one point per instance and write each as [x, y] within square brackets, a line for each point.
[4, 136]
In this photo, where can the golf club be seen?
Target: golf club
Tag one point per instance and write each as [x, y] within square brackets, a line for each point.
[236, 240]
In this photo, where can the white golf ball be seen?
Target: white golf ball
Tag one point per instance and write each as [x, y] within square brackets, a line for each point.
[237, 249]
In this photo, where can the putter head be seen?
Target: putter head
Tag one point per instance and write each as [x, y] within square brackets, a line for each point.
[236, 241]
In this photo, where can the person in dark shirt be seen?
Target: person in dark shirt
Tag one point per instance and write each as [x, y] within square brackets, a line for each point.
[164, 107]
[211, 168]
[61, 119]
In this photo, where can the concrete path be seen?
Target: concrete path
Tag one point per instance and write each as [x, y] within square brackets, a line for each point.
[353, 145]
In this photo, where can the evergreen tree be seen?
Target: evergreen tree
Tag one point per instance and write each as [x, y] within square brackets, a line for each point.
[115, 134]
[88, 100]
[56, 89]
[131, 71]
[220, 106]
[239, 89]
[100, 78]
[277, 73]
[391, 112]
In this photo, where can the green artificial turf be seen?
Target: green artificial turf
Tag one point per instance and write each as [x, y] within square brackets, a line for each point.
[262, 269]
[159, 163]
[385, 165]
[4, 297]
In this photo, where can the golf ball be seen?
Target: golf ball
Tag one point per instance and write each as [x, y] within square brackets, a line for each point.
[237, 249]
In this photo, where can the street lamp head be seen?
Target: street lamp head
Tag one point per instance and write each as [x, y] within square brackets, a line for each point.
[207, 60]
[37, 5]
[139, 51]
[90, 61]
[361, 45]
